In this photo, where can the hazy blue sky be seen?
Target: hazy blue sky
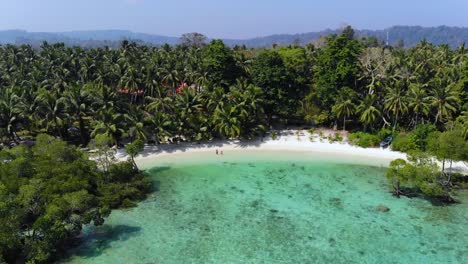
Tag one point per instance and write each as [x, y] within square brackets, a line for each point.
[233, 18]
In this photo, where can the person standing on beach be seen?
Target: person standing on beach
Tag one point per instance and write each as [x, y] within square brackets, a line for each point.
[222, 152]
[216, 151]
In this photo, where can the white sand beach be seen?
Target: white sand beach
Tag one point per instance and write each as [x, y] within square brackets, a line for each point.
[287, 141]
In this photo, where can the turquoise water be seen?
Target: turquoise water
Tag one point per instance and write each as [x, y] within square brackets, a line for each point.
[276, 208]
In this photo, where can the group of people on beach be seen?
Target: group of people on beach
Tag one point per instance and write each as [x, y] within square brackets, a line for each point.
[219, 153]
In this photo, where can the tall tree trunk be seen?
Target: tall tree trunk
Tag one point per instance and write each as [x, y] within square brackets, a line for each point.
[397, 189]
[449, 174]
[135, 166]
[82, 131]
[344, 123]
[395, 122]
[416, 122]
[59, 131]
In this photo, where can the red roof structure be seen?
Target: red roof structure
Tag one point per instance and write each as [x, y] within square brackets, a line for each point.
[181, 87]
[127, 91]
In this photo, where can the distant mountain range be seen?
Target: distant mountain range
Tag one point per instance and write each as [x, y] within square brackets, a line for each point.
[411, 35]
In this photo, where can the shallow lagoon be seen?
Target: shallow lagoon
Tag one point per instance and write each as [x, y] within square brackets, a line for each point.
[276, 207]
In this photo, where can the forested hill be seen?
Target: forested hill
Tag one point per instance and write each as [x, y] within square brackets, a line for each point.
[410, 35]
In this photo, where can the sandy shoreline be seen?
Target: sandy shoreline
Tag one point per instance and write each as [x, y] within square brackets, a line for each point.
[288, 141]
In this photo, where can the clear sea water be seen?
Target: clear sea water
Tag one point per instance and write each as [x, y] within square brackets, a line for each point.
[276, 207]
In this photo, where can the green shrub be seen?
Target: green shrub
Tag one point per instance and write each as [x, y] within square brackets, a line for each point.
[335, 138]
[403, 143]
[383, 133]
[338, 137]
[121, 172]
[420, 135]
[274, 136]
[415, 141]
[126, 203]
[320, 133]
[364, 140]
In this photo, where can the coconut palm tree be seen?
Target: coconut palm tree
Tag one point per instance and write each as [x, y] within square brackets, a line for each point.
[135, 121]
[80, 105]
[464, 121]
[160, 125]
[368, 110]
[11, 112]
[343, 109]
[418, 102]
[227, 122]
[395, 102]
[51, 110]
[109, 123]
[445, 101]
[187, 106]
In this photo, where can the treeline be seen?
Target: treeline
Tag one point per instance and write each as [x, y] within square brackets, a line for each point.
[199, 91]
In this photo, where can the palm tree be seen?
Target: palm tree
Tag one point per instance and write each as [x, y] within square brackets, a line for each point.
[226, 121]
[170, 77]
[51, 109]
[395, 102]
[160, 104]
[109, 123]
[418, 102]
[369, 111]
[215, 99]
[464, 120]
[344, 108]
[80, 105]
[135, 120]
[160, 126]
[247, 98]
[129, 81]
[445, 100]
[188, 106]
[11, 109]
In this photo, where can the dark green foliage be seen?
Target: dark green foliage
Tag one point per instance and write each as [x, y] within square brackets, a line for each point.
[416, 140]
[448, 146]
[49, 191]
[336, 66]
[419, 136]
[191, 92]
[219, 63]
[404, 143]
[422, 173]
[383, 133]
[364, 140]
[133, 149]
[270, 73]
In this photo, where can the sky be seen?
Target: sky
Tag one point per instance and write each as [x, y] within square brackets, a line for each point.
[227, 18]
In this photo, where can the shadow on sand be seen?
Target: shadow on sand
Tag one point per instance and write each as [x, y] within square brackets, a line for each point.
[184, 146]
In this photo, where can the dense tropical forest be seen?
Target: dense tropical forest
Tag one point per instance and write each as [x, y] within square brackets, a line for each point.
[196, 91]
